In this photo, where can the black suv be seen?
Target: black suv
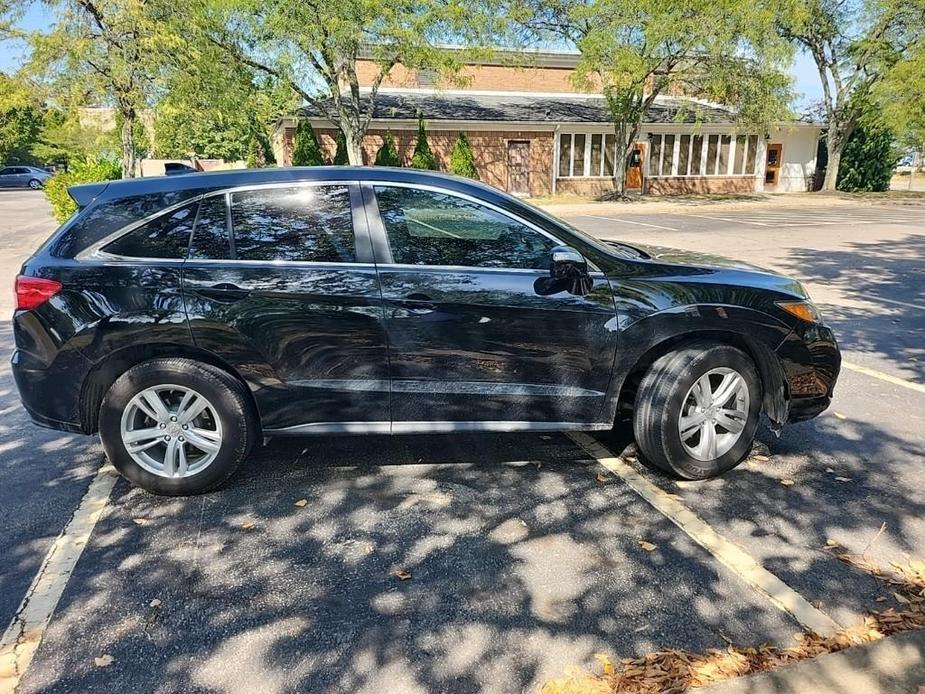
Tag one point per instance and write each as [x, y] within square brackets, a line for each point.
[188, 318]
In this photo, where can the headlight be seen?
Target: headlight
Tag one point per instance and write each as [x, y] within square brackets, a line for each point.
[804, 310]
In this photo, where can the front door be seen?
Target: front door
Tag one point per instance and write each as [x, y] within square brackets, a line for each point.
[634, 169]
[478, 336]
[772, 166]
[278, 285]
[518, 166]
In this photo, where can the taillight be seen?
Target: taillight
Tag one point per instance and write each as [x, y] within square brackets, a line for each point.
[32, 292]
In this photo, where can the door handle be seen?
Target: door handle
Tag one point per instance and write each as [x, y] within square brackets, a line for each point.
[224, 291]
[418, 304]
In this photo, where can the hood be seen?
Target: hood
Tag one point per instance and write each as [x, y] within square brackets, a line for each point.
[705, 267]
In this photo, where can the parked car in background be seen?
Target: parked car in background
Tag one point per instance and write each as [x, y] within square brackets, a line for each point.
[23, 177]
[175, 168]
[187, 319]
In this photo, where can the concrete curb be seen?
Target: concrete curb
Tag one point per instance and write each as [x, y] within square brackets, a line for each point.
[895, 665]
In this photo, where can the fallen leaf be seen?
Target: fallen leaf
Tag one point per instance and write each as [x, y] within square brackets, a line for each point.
[247, 525]
[647, 546]
[642, 628]
[104, 660]
[401, 574]
[882, 598]
[301, 503]
[139, 521]
[154, 603]
[761, 458]
[605, 663]
[831, 543]
[601, 477]
[839, 415]
[830, 470]
[787, 482]
[843, 479]
[901, 598]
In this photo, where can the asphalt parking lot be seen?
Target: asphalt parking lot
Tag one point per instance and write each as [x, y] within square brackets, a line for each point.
[523, 552]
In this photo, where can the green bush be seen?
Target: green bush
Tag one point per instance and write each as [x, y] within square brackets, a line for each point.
[388, 153]
[306, 151]
[462, 160]
[86, 171]
[868, 160]
[423, 158]
[340, 153]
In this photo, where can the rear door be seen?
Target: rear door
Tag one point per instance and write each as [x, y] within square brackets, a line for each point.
[480, 337]
[280, 283]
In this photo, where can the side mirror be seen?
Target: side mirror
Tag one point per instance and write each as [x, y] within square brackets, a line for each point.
[567, 263]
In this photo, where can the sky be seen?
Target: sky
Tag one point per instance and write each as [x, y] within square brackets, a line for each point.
[806, 80]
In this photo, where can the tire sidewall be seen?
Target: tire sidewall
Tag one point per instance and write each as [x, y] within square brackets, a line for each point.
[35, 184]
[681, 461]
[229, 408]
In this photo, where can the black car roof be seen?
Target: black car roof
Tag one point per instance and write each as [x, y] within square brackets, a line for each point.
[214, 180]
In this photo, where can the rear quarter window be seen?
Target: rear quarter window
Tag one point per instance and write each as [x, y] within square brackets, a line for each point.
[166, 236]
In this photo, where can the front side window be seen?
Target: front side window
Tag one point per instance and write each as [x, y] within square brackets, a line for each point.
[308, 224]
[432, 228]
[167, 236]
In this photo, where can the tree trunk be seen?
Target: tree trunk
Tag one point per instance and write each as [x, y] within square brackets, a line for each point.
[128, 143]
[625, 135]
[354, 146]
[834, 146]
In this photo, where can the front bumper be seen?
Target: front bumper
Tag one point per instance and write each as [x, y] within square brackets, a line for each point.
[811, 362]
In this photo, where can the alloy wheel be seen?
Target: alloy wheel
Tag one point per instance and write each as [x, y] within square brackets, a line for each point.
[714, 414]
[171, 431]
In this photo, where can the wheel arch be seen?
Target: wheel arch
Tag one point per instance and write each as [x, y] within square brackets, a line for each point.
[775, 401]
[104, 373]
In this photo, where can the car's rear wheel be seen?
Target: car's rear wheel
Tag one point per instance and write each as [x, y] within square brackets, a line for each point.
[176, 426]
[697, 410]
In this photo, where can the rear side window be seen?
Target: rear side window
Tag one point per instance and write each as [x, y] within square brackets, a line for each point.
[167, 236]
[210, 242]
[308, 224]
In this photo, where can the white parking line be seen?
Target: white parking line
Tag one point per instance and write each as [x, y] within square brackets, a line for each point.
[875, 298]
[630, 221]
[24, 634]
[726, 552]
[895, 380]
[725, 219]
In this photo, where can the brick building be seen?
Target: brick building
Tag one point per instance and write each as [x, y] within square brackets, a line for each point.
[533, 133]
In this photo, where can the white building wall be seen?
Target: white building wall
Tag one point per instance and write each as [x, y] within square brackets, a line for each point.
[798, 157]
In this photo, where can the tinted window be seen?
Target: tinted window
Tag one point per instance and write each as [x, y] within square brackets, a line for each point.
[429, 228]
[309, 223]
[5, 172]
[167, 236]
[210, 241]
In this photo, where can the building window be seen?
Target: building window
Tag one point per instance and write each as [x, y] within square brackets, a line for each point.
[596, 150]
[578, 155]
[702, 155]
[565, 154]
[610, 146]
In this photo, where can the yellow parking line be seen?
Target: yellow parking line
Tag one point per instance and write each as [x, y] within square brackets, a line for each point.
[726, 552]
[873, 373]
[24, 634]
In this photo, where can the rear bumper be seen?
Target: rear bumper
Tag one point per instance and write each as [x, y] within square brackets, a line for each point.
[45, 395]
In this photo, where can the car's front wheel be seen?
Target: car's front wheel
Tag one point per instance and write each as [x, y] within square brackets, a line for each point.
[697, 410]
[176, 426]
[35, 184]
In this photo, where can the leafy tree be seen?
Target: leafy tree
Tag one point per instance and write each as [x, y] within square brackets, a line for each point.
[868, 159]
[462, 160]
[423, 158]
[341, 150]
[21, 122]
[83, 171]
[388, 153]
[98, 52]
[314, 47]
[855, 45]
[307, 150]
[633, 51]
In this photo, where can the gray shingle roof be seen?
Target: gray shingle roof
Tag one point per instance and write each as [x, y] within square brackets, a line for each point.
[517, 108]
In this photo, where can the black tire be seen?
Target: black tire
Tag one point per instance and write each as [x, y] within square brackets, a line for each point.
[35, 184]
[229, 399]
[661, 396]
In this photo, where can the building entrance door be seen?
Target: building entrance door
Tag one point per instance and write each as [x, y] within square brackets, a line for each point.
[518, 167]
[772, 166]
[634, 170]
